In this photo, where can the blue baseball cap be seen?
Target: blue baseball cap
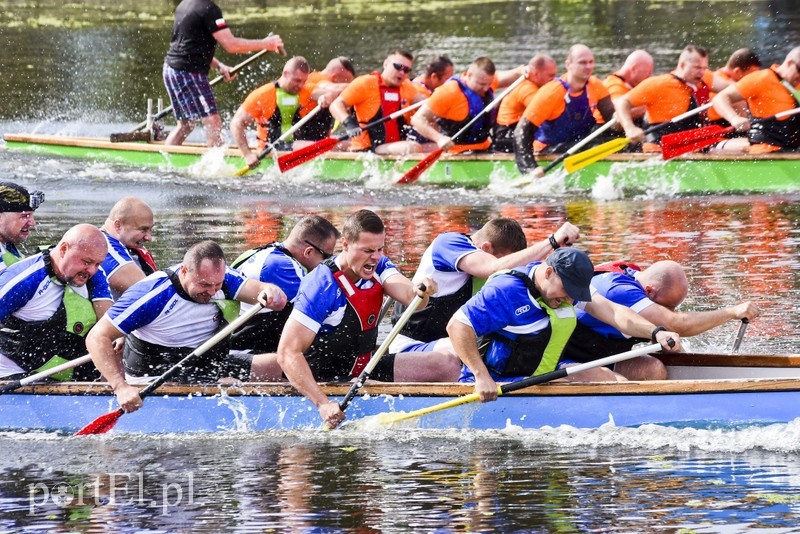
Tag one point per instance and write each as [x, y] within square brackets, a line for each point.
[575, 269]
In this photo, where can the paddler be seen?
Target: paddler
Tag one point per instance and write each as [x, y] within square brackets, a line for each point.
[17, 205]
[320, 90]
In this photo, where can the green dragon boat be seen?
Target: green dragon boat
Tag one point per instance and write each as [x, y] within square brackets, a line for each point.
[690, 174]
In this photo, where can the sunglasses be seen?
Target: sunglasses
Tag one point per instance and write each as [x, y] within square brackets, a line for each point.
[325, 255]
[401, 67]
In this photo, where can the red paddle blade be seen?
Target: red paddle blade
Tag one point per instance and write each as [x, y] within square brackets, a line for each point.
[300, 156]
[416, 171]
[692, 140]
[102, 424]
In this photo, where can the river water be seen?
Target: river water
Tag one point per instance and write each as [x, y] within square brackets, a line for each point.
[87, 69]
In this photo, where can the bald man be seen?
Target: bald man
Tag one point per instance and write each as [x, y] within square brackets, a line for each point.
[653, 293]
[127, 229]
[638, 67]
[48, 302]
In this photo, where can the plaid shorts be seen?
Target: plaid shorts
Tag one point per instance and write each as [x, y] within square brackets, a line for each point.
[190, 94]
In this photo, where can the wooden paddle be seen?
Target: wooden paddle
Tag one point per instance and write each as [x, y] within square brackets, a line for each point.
[383, 349]
[106, 422]
[740, 335]
[416, 171]
[389, 418]
[16, 384]
[270, 147]
[587, 157]
[675, 144]
[301, 155]
[167, 110]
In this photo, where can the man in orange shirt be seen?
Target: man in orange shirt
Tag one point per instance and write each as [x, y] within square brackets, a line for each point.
[454, 104]
[638, 67]
[561, 112]
[541, 69]
[740, 64]
[322, 88]
[438, 71]
[766, 96]
[273, 107]
[376, 95]
[667, 96]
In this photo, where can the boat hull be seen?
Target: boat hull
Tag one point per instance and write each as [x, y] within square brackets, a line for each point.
[271, 407]
[692, 174]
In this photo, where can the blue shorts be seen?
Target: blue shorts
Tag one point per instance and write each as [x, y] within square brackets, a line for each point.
[190, 94]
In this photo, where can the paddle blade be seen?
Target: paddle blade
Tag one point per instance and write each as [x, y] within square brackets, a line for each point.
[300, 156]
[102, 424]
[416, 171]
[244, 170]
[587, 157]
[675, 144]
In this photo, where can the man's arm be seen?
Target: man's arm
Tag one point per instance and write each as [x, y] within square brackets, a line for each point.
[724, 104]
[239, 124]
[693, 323]
[99, 343]
[101, 307]
[483, 264]
[623, 114]
[326, 92]
[629, 322]
[424, 121]
[237, 45]
[523, 148]
[125, 277]
[269, 295]
[295, 339]
[465, 344]
[403, 290]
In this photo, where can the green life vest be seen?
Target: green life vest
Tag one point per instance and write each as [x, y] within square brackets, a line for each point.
[8, 258]
[288, 104]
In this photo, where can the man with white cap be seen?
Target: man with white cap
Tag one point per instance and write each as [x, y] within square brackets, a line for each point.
[525, 316]
[17, 205]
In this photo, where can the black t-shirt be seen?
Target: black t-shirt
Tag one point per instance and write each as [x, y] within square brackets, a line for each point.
[192, 44]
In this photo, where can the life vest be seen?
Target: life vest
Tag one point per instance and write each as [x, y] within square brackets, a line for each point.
[289, 106]
[390, 102]
[698, 97]
[344, 352]
[783, 133]
[263, 332]
[31, 344]
[9, 254]
[574, 124]
[142, 358]
[430, 323]
[479, 131]
[146, 261]
[618, 266]
[532, 354]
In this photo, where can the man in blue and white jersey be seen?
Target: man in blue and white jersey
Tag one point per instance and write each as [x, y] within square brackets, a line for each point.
[311, 241]
[17, 205]
[169, 314]
[453, 259]
[49, 301]
[525, 318]
[654, 293]
[128, 228]
[332, 331]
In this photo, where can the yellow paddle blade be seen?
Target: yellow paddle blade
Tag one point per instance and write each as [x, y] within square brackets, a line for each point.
[389, 418]
[587, 157]
[244, 170]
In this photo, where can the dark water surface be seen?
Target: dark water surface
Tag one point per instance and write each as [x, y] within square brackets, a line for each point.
[87, 68]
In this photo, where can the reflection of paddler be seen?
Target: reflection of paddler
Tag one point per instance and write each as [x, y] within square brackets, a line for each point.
[273, 107]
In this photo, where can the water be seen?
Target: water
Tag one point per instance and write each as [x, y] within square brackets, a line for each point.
[88, 69]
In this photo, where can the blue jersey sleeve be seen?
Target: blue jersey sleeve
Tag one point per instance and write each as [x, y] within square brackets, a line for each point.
[317, 298]
[448, 248]
[100, 289]
[141, 303]
[491, 309]
[18, 285]
[234, 280]
[281, 270]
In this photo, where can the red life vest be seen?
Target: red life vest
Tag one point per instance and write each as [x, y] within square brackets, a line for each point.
[366, 303]
[146, 259]
[618, 266]
[390, 102]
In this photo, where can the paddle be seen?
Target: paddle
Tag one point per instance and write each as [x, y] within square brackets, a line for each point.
[106, 422]
[587, 157]
[270, 147]
[675, 144]
[16, 384]
[416, 171]
[301, 155]
[740, 335]
[579, 145]
[389, 418]
[364, 376]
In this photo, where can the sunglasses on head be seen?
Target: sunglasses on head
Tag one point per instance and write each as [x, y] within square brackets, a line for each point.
[325, 255]
[401, 67]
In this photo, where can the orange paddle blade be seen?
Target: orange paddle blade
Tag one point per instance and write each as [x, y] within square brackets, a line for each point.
[102, 424]
[298, 157]
[416, 171]
[675, 144]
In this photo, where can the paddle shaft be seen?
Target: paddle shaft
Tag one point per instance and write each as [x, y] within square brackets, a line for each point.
[167, 110]
[740, 335]
[389, 117]
[364, 376]
[528, 382]
[579, 145]
[11, 386]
